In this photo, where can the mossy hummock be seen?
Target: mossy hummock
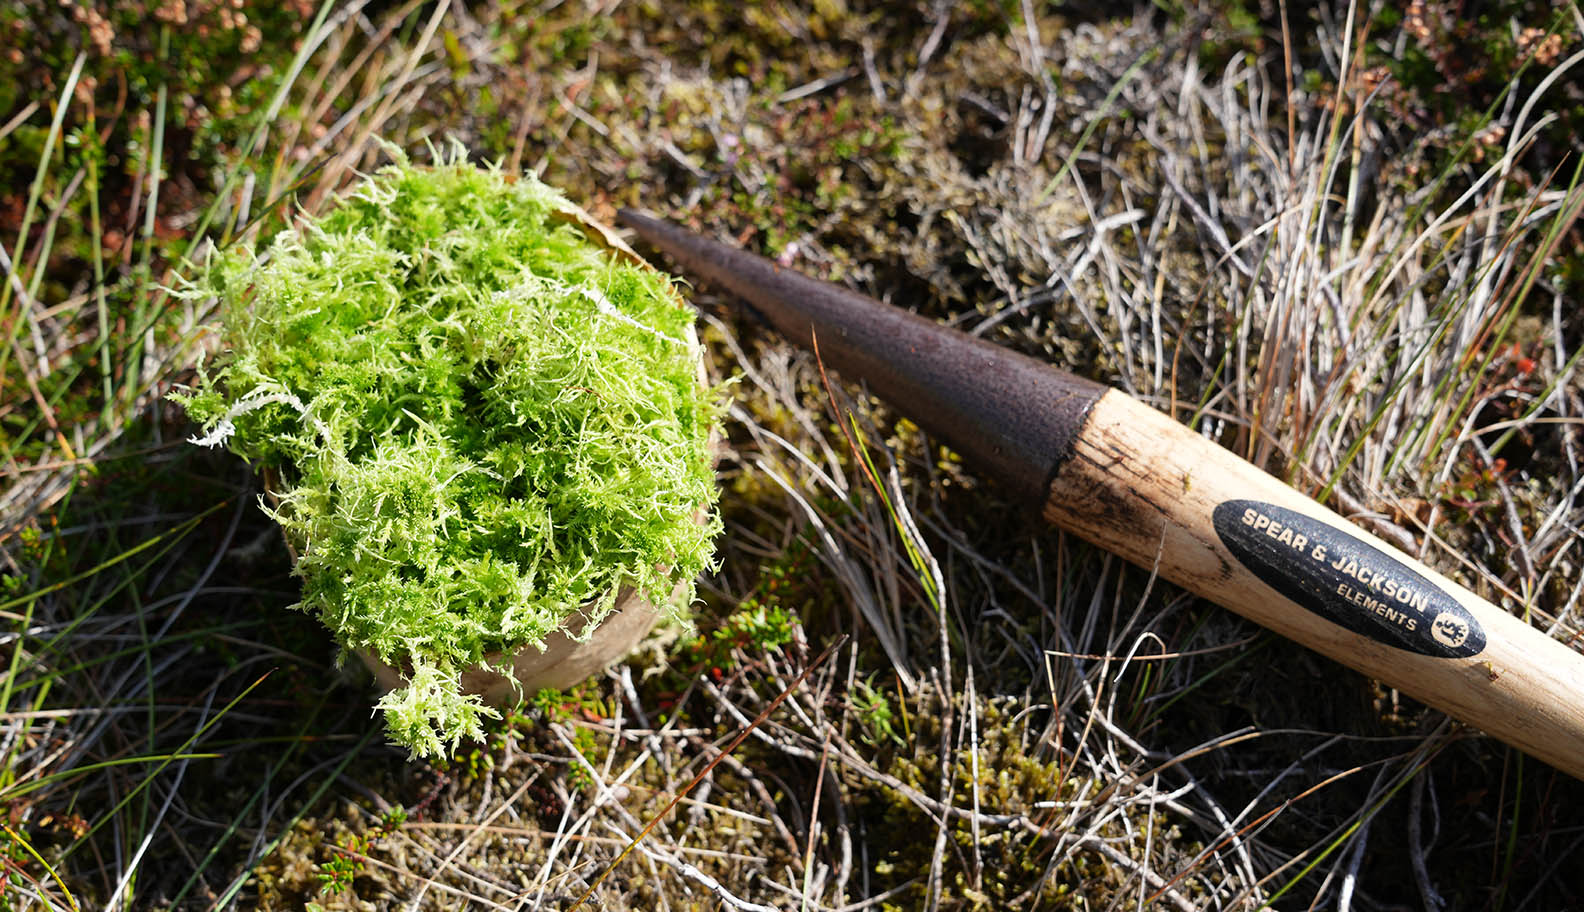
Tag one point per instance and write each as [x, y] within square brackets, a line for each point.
[485, 424]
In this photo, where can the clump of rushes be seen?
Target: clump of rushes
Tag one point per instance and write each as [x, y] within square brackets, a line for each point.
[484, 425]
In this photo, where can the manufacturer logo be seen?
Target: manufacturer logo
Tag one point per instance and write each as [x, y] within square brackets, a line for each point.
[1346, 581]
[1449, 630]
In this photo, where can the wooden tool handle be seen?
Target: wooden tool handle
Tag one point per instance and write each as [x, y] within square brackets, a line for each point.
[1144, 486]
[1132, 480]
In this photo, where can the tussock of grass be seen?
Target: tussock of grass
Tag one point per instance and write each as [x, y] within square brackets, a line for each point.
[485, 425]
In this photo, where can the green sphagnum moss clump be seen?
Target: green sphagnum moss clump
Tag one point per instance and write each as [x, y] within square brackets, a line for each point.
[482, 423]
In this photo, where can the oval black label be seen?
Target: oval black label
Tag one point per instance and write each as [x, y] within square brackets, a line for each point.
[1345, 581]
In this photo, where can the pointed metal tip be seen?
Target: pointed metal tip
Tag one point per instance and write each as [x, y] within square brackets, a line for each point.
[643, 224]
[1014, 416]
[664, 236]
[629, 217]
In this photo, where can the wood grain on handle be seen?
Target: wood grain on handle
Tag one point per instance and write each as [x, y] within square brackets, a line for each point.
[1141, 485]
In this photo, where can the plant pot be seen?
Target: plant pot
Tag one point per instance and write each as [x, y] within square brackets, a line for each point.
[563, 662]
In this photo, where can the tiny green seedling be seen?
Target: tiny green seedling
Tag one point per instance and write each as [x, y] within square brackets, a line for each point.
[484, 425]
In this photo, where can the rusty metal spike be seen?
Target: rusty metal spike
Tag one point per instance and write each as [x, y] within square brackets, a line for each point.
[1010, 415]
